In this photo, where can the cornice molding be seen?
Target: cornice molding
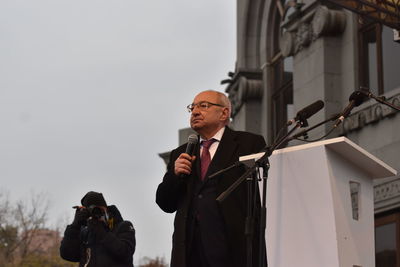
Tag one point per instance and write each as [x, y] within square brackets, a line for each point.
[370, 114]
[387, 195]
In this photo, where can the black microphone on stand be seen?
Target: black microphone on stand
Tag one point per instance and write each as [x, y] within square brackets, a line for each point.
[302, 115]
[306, 113]
[301, 119]
[356, 99]
[304, 133]
[192, 142]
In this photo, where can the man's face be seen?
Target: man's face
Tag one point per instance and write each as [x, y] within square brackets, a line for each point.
[210, 119]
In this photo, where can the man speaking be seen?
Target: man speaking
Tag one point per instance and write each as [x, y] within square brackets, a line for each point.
[208, 233]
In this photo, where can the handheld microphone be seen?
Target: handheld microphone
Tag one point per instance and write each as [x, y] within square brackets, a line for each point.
[307, 112]
[356, 99]
[192, 142]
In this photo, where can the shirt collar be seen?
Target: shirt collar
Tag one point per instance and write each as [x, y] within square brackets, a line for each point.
[217, 136]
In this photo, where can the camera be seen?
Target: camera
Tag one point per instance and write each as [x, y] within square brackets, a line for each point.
[95, 212]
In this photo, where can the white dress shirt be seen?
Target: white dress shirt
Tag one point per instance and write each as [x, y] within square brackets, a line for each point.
[214, 146]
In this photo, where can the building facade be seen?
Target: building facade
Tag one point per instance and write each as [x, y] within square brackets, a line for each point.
[292, 53]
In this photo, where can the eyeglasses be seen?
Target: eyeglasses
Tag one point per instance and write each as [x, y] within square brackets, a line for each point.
[203, 105]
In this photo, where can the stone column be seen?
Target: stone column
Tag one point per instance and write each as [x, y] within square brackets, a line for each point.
[315, 41]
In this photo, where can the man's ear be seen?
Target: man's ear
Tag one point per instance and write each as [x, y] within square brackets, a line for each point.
[225, 114]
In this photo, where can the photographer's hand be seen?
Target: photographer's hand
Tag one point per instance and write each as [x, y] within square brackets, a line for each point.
[81, 216]
[97, 227]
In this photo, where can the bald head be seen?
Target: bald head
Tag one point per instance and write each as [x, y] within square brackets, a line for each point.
[223, 100]
[211, 112]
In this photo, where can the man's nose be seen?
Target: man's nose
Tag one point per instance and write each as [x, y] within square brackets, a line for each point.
[196, 110]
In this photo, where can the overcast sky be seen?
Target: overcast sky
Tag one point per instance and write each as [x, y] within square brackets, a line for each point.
[91, 91]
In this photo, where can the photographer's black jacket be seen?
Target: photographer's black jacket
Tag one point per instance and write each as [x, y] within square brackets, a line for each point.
[108, 248]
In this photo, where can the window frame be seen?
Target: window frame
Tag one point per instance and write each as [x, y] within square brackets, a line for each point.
[363, 59]
[277, 86]
[388, 219]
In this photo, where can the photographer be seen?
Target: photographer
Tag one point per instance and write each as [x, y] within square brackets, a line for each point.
[98, 236]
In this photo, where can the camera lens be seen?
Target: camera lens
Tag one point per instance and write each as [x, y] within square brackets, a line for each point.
[95, 212]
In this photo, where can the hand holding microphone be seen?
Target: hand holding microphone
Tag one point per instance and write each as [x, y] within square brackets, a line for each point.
[183, 164]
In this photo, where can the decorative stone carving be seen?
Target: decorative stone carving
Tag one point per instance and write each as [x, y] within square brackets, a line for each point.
[378, 112]
[303, 36]
[395, 102]
[287, 44]
[387, 190]
[355, 196]
[247, 89]
[246, 86]
[323, 22]
[250, 89]
[328, 22]
[291, 43]
[370, 114]
[236, 102]
[386, 195]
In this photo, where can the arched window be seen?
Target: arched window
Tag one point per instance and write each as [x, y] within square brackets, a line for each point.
[280, 80]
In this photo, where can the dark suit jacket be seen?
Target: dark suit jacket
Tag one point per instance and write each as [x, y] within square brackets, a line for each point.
[175, 194]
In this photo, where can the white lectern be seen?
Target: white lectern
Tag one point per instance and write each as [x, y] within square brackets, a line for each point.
[320, 205]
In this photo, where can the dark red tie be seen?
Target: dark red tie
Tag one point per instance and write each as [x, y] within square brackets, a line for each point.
[205, 157]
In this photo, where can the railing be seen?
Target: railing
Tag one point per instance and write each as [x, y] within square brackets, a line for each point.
[385, 11]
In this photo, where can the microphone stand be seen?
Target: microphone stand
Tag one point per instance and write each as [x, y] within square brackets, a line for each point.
[263, 216]
[305, 131]
[250, 177]
[236, 164]
[380, 99]
[261, 160]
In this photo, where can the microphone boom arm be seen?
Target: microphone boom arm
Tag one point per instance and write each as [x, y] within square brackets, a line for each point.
[260, 162]
[380, 99]
[305, 131]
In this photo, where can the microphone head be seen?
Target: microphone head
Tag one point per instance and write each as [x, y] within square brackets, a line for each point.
[310, 110]
[193, 139]
[358, 97]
